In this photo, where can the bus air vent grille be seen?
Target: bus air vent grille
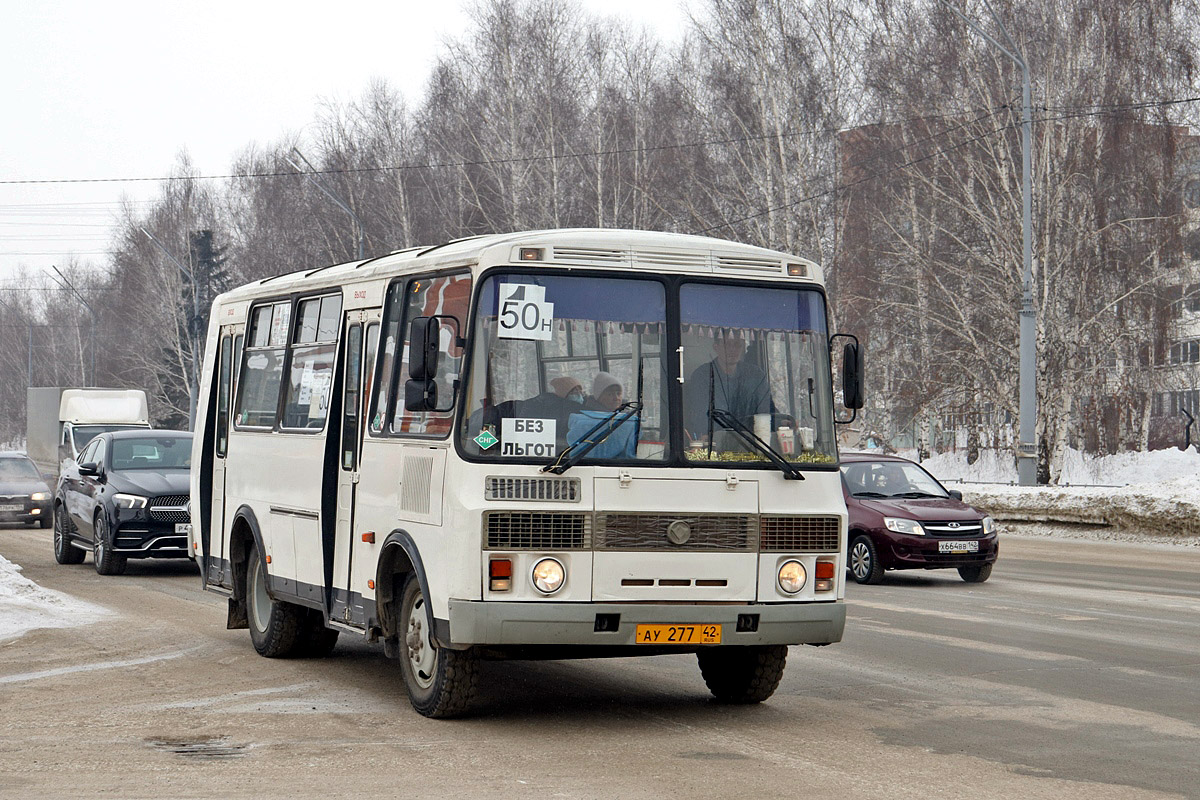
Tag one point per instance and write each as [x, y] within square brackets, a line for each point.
[591, 255]
[707, 532]
[667, 258]
[533, 530]
[751, 264]
[539, 490]
[800, 534]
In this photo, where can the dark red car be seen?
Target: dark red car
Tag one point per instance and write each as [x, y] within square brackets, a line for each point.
[902, 518]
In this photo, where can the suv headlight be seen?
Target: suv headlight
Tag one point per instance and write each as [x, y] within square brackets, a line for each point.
[909, 526]
[129, 500]
[989, 526]
[38, 497]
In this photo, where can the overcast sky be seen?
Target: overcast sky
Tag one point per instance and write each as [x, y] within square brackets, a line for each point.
[96, 90]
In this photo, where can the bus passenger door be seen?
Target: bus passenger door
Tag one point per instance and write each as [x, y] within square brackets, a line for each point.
[217, 568]
[362, 334]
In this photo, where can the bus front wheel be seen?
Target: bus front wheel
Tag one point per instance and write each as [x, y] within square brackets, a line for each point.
[743, 674]
[276, 627]
[440, 682]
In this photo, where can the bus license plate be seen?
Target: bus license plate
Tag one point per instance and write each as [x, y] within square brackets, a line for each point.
[958, 547]
[679, 634]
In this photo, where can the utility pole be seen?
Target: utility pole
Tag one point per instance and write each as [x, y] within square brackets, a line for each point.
[333, 197]
[1027, 449]
[71, 287]
[193, 335]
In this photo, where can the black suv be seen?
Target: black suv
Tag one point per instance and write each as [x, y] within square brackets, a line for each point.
[125, 497]
[24, 495]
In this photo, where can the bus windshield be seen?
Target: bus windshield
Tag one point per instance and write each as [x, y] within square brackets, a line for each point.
[563, 358]
[555, 356]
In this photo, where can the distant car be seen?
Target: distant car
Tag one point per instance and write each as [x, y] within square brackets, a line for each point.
[24, 495]
[902, 518]
[125, 497]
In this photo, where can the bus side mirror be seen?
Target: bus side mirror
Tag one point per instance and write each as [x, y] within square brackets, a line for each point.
[420, 395]
[852, 375]
[423, 337]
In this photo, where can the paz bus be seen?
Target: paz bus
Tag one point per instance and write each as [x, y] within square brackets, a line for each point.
[550, 444]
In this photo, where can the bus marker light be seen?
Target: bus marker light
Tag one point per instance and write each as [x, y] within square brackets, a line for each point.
[370, 584]
[531, 254]
[268, 559]
[797, 270]
[369, 537]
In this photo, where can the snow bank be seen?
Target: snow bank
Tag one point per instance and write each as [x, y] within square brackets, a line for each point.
[1153, 493]
[24, 605]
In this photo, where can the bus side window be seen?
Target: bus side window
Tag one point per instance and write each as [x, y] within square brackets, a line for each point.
[350, 406]
[384, 379]
[447, 296]
[372, 347]
[223, 379]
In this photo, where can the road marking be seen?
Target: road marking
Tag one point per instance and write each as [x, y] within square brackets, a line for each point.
[23, 677]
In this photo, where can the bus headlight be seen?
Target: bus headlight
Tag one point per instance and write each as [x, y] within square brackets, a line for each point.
[548, 576]
[792, 577]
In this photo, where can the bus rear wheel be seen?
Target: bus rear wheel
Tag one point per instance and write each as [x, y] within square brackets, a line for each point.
[440, 682]
[276, 627]
[743, 674]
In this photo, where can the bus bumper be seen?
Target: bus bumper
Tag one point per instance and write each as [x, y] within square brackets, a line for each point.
[474, 622]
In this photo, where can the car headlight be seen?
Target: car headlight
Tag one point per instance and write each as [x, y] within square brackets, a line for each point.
[548, 576]
[38, 497]
[989, 526]
[909, 526]
[792, 576]
[129, 501]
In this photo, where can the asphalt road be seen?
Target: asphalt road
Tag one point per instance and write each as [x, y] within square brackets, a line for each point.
[1073, 673]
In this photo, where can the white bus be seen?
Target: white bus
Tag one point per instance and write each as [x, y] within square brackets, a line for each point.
[550, 444]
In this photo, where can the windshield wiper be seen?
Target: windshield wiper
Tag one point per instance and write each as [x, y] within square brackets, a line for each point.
[584, 444]
[728, 421]
[916, 495]
[869, 494]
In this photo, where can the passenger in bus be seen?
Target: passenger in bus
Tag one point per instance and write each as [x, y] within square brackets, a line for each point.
[607, 393]
[565, 396]
[731, 382]
[617, 437]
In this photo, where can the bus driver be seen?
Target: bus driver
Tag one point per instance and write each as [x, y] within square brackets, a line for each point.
[732, 384]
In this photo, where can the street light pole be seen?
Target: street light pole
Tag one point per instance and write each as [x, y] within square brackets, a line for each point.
[193, 332]
[329, 193]
[70, 286]
[1027, 450]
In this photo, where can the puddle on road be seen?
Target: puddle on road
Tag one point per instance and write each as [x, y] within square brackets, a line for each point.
[201, 749]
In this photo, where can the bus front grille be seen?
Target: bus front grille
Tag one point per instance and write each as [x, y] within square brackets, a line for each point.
[799, 534]
[532, 530]
[550, 490]
[705, 532]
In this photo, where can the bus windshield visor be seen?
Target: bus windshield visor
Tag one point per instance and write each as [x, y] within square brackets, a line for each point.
[555, 356]
[755, 363]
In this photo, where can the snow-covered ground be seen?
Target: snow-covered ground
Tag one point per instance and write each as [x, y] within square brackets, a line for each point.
[24, 605]
[1153, 495]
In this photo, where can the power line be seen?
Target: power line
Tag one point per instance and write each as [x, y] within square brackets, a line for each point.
[490, 161]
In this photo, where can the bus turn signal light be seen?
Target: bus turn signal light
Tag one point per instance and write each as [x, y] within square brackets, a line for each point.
[825, 572]
[369, 537]
[500, 574]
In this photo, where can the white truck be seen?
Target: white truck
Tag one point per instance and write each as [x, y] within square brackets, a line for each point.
[59, 421]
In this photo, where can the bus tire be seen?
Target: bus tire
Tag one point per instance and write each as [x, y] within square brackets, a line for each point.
[105, 560]
[64, 551]
[276, 627]
[318, 640]
[440, 682]
[742, 674]
[976, 573]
